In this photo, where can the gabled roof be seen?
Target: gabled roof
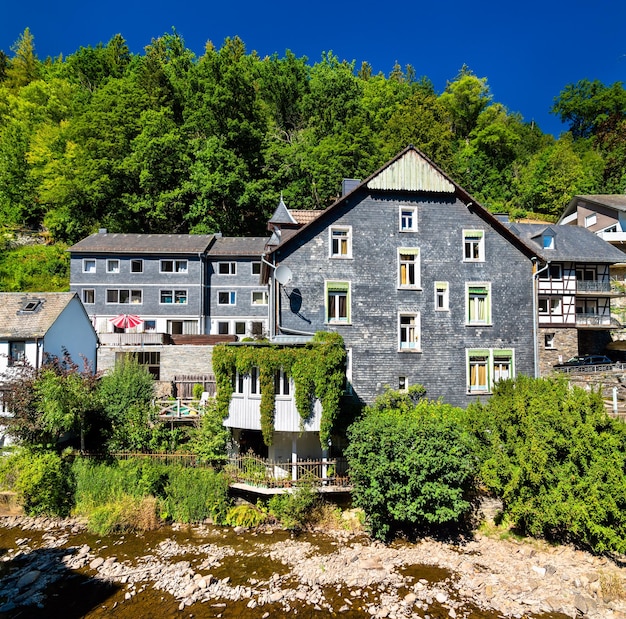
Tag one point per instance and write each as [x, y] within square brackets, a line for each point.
[238, 246]
[411, 171]
[30, 315]
[105, 243]
[571, 244]
[616, 202]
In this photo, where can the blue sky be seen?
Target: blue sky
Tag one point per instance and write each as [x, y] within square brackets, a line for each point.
[527, 51]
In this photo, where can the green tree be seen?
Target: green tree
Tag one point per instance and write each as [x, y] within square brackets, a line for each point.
[556, 174]
[465, 98]
[586, 105]
[210, 438]
[126, 394]
[558, 462]
[411, 463]
[24, 67]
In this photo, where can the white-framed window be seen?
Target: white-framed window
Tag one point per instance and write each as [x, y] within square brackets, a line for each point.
[227, 268]
[223, 328]
[550, 306]
[123, 296]
[337, 302]
[340, 242]
[474, 245]
[590, 220]
[409, 332]
[478, 371]
[173, 296]
[408, 267]
[89, 296]
[255, 268]
[226, 297]
[136, 266]
[548, 341]
[17, 353]
[255, 385]
[548, 240]
[408, 219]
[502, 365]
[478, 299]
[485, 367]
[113, 266]
[260, 297]
[89, 265]
[240, 328]
[442, 296]
[282, 383]
[239, 384]
[173, 266]
[403, 383]
[149, 326]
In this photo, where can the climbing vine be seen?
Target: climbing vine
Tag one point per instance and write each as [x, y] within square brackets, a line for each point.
[317, 369]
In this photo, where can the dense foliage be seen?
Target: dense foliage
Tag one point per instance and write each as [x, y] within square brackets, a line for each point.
[556, 459]
[411, 463]
[318, 371]
[167, 141]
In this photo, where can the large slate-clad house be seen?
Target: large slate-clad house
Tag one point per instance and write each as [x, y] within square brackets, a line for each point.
[424, 284]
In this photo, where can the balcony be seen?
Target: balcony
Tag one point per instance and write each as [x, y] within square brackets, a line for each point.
[133, 339]
[596, 321]
[597, 288]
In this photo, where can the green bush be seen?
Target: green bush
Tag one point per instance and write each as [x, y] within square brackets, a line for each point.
[124, 514]
[194, 494]
[210, 438]
[246, 515]
[556, 459]
[411, 463]
[294, 510]
[44, 484]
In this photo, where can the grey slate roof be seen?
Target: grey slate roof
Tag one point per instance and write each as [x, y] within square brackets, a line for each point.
[107, 243]
[282, 215]
[16, 324]
[238, 246]
[571, 243]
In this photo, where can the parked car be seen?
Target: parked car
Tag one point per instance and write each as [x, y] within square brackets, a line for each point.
[585, 360]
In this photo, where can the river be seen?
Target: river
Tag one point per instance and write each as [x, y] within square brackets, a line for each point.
[213, 572]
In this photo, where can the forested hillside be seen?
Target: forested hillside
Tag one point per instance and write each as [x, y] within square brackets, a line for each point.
[166, 141]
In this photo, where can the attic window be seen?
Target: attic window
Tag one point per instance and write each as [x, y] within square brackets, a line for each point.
[31, 306]
[548, 241]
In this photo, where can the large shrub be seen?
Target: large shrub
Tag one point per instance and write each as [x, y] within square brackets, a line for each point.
[556, 459]
[411, 463]
[126, 394]
[195, 494]
[44, 483]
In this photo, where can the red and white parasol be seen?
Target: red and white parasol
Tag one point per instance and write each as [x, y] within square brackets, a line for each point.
[126, 321]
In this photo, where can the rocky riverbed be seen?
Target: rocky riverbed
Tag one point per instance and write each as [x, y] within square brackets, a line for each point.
[207, 571]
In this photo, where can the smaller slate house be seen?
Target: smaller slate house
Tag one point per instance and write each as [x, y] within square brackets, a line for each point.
[159, 277]
[424, 284]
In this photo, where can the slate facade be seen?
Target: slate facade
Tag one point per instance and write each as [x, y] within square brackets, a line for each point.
[424, 285]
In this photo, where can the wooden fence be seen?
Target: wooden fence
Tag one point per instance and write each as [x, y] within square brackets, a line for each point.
[183, 385]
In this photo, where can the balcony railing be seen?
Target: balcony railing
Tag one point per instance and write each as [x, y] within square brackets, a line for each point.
[133, 339]
[597, 321]
[593, 287]
[260, 472]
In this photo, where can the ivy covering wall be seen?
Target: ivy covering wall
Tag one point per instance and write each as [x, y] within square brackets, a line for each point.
[317, 368]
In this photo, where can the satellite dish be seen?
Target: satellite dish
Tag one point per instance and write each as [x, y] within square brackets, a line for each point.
[283, 275]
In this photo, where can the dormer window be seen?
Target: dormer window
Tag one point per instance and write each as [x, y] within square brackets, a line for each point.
[548, 240]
